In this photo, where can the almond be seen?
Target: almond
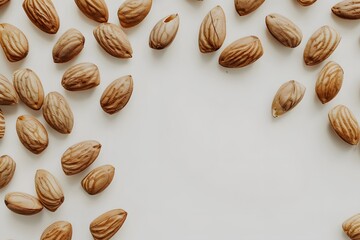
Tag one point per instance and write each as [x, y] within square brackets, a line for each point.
[7, 170]
[42, 14]
[164, 32]
[68, 46]
[29, 88]
[96, 10]
[32, 134]
[22, 203]
[321, 45]
[287, 97]
[80, 156]
[347, 9]
[244, 7]
[113, 40]
[132, 12]
[2, 124]
[2, 2]
[117, 94]
[14, 42]
[212, 31]
[8, 94]
[283, 30]
[60, 230]
[80, 77]
[241, 53]
[352, 227]
[306, 2]
[57, 113]
[344, 124]
[106, 225]
[98, 179]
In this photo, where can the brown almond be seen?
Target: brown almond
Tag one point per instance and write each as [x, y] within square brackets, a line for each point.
[352, 227]
[22, 203]
[68, 46]
[60, 230]
[347, 9]
[14, 42]
[164, 32]
[98, 179]
[244, 7]
[7, 170]
[132, 12]
[96, 10]
[306, 2]
[108, 224]
[2, 2]
[8, 94]
[2, 124]
[81, 77]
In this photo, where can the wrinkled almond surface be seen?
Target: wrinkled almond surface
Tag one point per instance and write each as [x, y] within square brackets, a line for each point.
[244, 7]
[60, 230]
[8, 95]
[22, 203]
[329, 82]
[2, 2]
[14, 42]
[7, 170]
[98, 179]
[132, 12]
[80, 77]
[68, 46]
[348, 9]
[164, 32]
[106, 225]
[352, 227]
[2, 124]
[96, 10]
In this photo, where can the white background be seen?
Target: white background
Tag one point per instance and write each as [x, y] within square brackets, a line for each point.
[197, 153]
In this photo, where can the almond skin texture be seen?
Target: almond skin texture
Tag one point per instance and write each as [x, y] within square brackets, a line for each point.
[306, 2]
[241, 53]
[32, 134]
[98, 179]
[28, 86]
[106, 225]
[212, 31]
[352, 227]
[283, 30]
[2, 2]
[81, 77]
[329, 82]
[2, 124]
[57, 113]
[287, 97]
[117, 94]
[60, 230]
[13, 42]
[22, 203]
[164, 32]
[96, 10]
[7, 170]
[244, 7]
[80, 156]
[347, 9]
[68, 46]
[132, 12]
[42, 13]
[8, 95]
[321, 45]
[344, 124]
[113, 40]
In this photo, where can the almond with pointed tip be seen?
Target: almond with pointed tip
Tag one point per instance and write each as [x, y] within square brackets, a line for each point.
[81, 77]
[7, 170]
[244, 7]
[108, 224]
[22, 203]
[3, 2]
[96, 10]
[132, 12]
[164, 32]
[69, 45]
[13, 42]
[347, 9]
[2, 124]
[352, 227]
[306, 2]
[8, 95]
[60, 230]
[98, 179]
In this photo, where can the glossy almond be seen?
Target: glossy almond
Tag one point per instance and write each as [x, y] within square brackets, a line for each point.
[60, 230]
[352, 227]
[22, 203]
[8, 95]
[344, 124]
[164, 32]
[132, 12]
[113, 40]
[96, 10]
[244, 7]
[117, 94]
[98, 179]
[241, 53]
[28, 86]
[13, 42]
[212, 31]
[284, 30]
[106, 225]
[2, 124]
[329, 82]
[42, 13]
[2, 2]
[57, 113]
[81, 77]
[321, 45]
[287, 97]
[69, 45]
[306, 2]
[7, 170]
[80, 156]
[347, 9]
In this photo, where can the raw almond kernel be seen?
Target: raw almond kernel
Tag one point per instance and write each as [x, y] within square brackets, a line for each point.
[283, 30]
[96, 10]
[80, 77]
[347, 9]
[241, 53]
[106, 225]
[117, 94]
[29, 88]
[164, 32]
[22, 203]
[32, 134]
[321, 45]
[2, 124]
[48, 190]
[7, 170]
[329, 82]
[306, 2]
[2, 2]
[212, 31]
[14, 42]
[113, 40]
[42, 14]
[132, 12]
[80, 156]
[57, 113]
[60, 230]
[8, 94]
[344, 124]
[352, 227]
[68, 46]
[244, 7]
[98, 179]
[287, 97]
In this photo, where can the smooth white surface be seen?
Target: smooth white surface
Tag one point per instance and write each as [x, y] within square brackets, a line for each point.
[197, 153]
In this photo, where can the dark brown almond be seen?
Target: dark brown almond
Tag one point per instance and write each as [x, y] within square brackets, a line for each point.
[96, 10]
[244, 7]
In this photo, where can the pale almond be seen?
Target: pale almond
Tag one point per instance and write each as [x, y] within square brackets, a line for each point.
[347, 9]
[60, 230]
[7, 170]
[8, 95]
[81, 77]
[329, 82]
[352, 227]
[306, 2]
[132, 12]
[244, 7]
[108, 224]
[69, 45]
[14, 42]
[164, 32]
[96, 10]
[22, 203]
[98, 179]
